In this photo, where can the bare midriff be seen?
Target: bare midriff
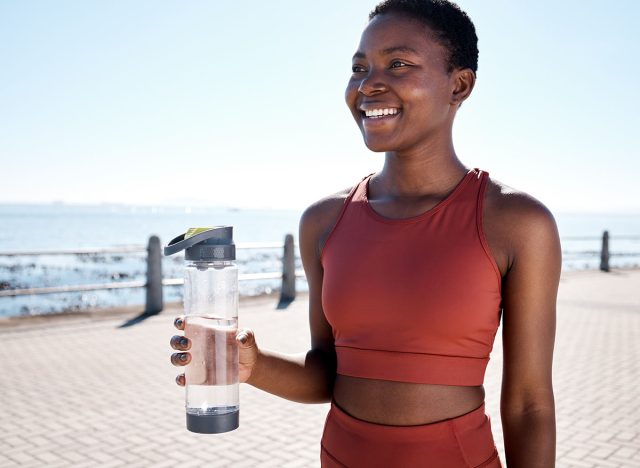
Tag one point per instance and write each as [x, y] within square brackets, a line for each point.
[403, 403]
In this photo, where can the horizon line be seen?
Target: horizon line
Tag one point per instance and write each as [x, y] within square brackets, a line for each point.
[201, 205]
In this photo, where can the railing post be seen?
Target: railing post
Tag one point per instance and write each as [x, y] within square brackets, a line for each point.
[288, 290]
[154, 303]
[604, 254]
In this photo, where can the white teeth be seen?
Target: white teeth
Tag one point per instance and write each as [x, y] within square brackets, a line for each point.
[381, 112]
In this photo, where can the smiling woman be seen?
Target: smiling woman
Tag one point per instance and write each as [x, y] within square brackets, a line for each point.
[402, 76]
[402, 361]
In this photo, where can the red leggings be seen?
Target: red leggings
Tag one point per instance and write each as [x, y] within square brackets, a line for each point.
[465, 441]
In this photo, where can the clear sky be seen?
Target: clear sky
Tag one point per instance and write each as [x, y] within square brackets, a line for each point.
[241, 103]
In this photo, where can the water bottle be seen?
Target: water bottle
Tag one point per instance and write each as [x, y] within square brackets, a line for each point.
[211, 324]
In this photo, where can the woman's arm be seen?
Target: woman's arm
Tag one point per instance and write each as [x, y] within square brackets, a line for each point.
[529, 322]
[306, 377]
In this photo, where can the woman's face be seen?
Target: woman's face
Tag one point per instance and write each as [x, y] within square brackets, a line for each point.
[400, 92]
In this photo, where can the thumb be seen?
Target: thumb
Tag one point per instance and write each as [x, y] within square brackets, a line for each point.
[246, 338]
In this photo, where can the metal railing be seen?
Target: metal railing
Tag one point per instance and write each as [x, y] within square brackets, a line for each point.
[154, 281]
[604, 253]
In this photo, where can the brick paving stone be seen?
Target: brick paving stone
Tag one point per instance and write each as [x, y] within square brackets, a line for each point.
[625, 452]
[577, 463]
[116, 402]
[274, 462]
[604, 436]
[579, 453]
[101, 457]
[20, 457]
[191, 463]
[626, 436]
[48, 457]
[164, 463]
[71, 456]
[262, 456]
[87, 464]
[297, 463]
[583, 436]
[623, 462]
[602, 463]
[126, 456]
[6, 461]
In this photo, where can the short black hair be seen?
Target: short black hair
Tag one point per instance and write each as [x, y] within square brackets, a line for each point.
[451, 27]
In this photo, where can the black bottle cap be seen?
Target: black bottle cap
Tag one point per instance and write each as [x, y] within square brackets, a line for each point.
[214, 423]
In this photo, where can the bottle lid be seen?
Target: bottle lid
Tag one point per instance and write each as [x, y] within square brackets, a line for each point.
[205, 244]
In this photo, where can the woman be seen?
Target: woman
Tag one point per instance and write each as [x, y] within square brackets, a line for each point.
[411, 270]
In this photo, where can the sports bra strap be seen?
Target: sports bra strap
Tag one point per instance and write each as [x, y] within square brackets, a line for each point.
[342, 211]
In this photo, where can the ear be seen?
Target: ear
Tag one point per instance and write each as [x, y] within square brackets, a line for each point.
[462, 83]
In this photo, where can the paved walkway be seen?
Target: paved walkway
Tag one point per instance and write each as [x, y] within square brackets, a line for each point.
[84, 392]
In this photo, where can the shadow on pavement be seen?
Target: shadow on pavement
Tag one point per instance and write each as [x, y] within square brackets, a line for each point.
[136, 320]
[284, 303]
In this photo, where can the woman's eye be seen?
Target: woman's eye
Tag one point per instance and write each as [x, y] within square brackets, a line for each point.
[398, 64]
[357, 69]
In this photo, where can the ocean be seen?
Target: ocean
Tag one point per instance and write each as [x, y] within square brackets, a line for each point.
[56, 227]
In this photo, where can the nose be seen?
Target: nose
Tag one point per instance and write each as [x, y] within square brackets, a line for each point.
[371, 85]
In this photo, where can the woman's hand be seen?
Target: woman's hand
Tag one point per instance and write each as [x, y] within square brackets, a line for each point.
[247, 348]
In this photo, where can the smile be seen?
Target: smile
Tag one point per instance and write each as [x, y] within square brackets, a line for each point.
[380, 113]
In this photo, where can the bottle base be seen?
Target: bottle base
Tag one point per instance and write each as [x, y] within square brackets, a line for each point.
[214, 423]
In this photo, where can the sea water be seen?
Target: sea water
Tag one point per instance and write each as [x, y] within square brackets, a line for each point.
[69, 227]
[74, 227]
[212, 375]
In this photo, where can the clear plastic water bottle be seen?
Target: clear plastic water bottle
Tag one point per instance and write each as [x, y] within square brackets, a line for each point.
[211, 324]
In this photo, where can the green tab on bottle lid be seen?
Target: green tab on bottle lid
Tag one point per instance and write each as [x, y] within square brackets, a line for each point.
[193, 231]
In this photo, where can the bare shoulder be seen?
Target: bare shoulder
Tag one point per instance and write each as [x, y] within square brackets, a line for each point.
[515, 220]
[326, 206]
[318, 219]
[516, 205]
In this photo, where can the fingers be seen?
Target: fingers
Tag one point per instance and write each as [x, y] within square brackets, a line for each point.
[245, 338]
[181, 343]
[180, 359]
[179, 322]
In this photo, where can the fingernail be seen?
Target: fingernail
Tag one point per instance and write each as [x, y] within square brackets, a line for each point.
[183, 342]
[183, 357]
[243, 338]
[178, 322]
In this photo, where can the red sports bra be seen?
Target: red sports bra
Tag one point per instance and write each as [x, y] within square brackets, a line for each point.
[415, 299]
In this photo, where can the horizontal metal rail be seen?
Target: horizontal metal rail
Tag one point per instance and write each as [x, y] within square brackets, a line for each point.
[32, 253]
[155, 282]
[599, 238]
[126, 249]
[597, 252]
[65, 289]
[129, 285]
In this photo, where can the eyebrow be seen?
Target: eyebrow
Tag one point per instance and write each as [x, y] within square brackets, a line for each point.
[389, 51]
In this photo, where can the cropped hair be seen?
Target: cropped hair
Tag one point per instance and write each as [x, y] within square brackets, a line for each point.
[451, 27]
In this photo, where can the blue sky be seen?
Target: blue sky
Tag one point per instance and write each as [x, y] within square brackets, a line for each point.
[241, 103]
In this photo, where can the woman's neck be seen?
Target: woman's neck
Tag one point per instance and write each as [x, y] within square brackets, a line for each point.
[419, 172]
